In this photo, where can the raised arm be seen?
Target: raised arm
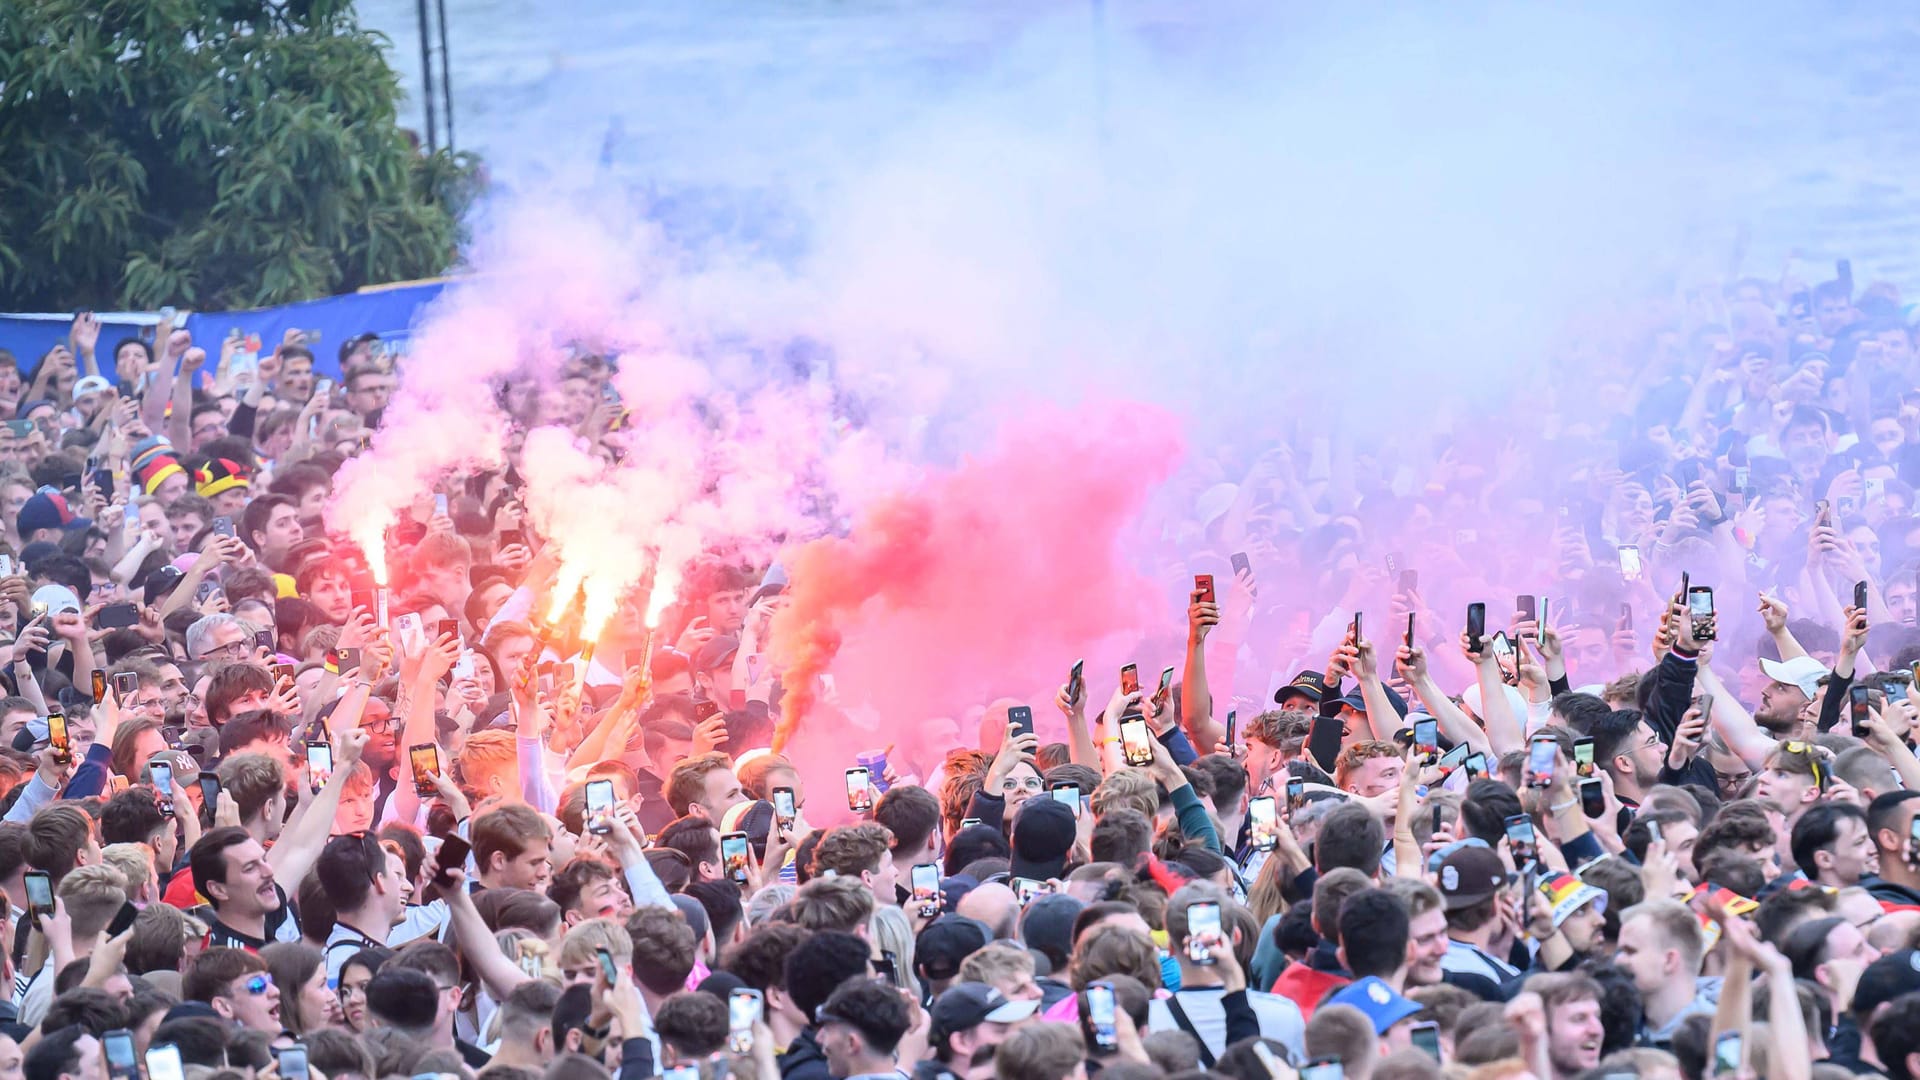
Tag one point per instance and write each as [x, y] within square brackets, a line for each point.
[299, 845]
[1196, 698]
[1457, 725]
[1503, 728]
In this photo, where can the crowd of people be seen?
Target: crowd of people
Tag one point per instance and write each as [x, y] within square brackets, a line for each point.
[265, 815]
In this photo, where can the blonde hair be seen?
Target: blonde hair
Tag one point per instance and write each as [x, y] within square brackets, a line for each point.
[93, 895]
[1131, 787]
[587, 936]
[890, 931]
[997, 960]
[133, 860]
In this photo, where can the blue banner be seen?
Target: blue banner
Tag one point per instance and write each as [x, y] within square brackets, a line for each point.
[388, 312]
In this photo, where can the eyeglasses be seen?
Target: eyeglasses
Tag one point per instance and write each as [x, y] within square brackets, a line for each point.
[259, 984]
[232, 650]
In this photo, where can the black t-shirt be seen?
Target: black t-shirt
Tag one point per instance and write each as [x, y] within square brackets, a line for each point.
[281, 925]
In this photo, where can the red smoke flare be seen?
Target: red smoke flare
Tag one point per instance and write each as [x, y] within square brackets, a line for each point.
[987, 578]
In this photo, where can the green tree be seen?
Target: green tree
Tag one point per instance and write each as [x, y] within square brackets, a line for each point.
[212, 153]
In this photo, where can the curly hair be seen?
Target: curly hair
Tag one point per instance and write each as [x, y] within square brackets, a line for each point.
[852, 849]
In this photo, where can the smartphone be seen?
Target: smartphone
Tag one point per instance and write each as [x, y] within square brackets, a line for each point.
[282, 671]
[1021, 717]
[859, 793]
[1076, 681]
[968, 823]
[1593, 800]
[1166, 684]
[683, 1072]
[1540, 754]
[1323, 1068]
[425, 759]
[1860, 595]
[1409, 638]
[1353, 632]
[323, 387]
[1296, 795]
[1630, 562]
[440, 504]
[446, 628]
[223, 526]
[887, 968]
[1203, 920]
[293, 1060]
[744, 1008]
[1520, 839]
[1136, 741]
[263, 639]
[1026, 888]
[1203, 587]
[1451, 760]
[125, 685]
[319, 765]
[1067, 795]
[349, 660]
[1526, 608]
[1233, 725]
[1476, 625]
[1653, 832]
[733, 855]
[1583, 757]
[1626, 616]
[1726, 1053]
[163, 1062]
[1476, 766]
[1913, 841]
[1130, 679]
[1426, 740]
[99, 686]
[600, 802]
[1499, 643]
[209, 789]
[115, 616]
[1425, 1037]
[1241, 564]
[39, 893]
[1700, 609]
[924, 879]
[57, 738]
[1100, 1016]
[783, 808]
[161, 774]
[122, 1062]
[452, 855]
[1263, 828]
[1859, 700]
[607, 967]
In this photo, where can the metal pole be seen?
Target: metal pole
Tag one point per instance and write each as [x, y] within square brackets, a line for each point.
[426, 75]
[446, 72]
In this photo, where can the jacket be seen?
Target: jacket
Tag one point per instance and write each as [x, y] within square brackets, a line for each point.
[804, 1060]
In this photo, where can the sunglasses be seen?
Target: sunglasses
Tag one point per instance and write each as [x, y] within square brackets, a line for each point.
[260, 984]
[1812, 754]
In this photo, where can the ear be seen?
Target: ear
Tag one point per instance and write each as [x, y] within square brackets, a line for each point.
[1342, 953]
[223, 1005]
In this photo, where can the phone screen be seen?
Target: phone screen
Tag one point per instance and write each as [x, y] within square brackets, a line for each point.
[57, 733]
[1540, 754]
[1426, 739]
[161, 774]
[293, 1060]
[859, 794]
[319, 764]
[1583, 756]
[926, 888]
[163, 1062]
[1476, 623]
[1726, 1053]
[1520, 837]
[743, 1012]
[1593, 800]
[1296, 795]
[1135, 741]
[1859, 699]
[1100, 1016]
[1263, 823]
[426, 765]
[121, 1060]
[99, 686]
[1130, 679]
[39, 889]
[600, 806]
[783, 803]
[1203, 920]
[1067, 795]
[1476, 765]
[733, 853]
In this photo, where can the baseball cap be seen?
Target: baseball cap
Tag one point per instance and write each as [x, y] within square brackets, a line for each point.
[1043, 834]
[718, 650]
[946, 941]
[1803, 672]
[1889, 977]
[47, 509]
[1471, 874]
[1566, 894]
[1308, 684]
[1374, 997]
[965, 1006]
[1358, 703]
[56, 599]
[91, 384]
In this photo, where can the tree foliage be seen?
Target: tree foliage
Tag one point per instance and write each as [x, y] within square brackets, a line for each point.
[211, 153]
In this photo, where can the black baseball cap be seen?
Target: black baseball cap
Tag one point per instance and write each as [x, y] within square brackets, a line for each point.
[1308, 684]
